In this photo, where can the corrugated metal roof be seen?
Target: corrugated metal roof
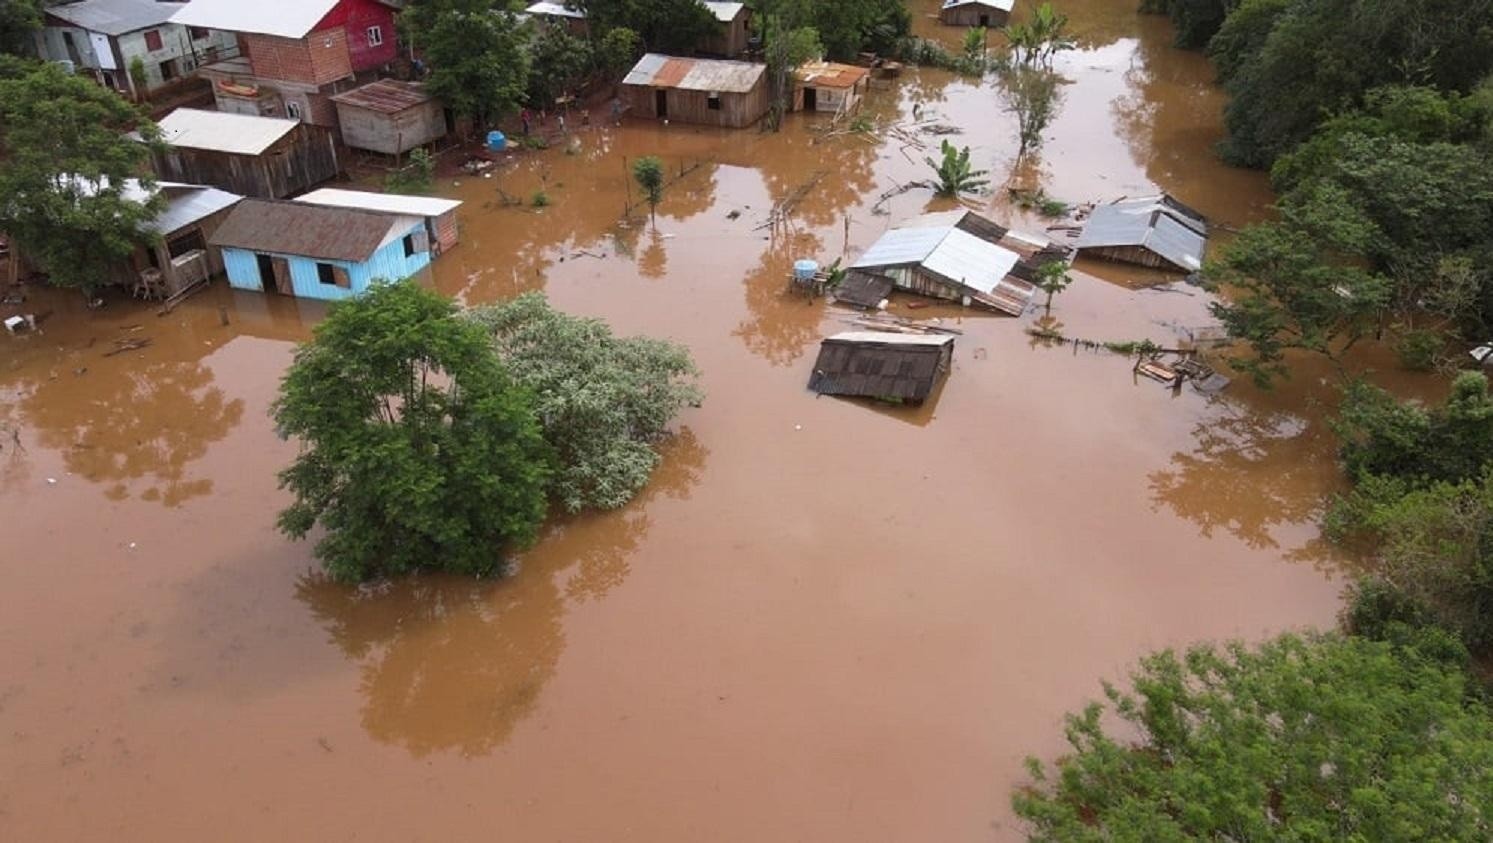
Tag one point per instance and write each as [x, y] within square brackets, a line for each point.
[1003, 5]
[115, 17]
[548, 9]
[828, 74]
[890, 338]
[189, 203]
[714, 75]
[387, 203]
[724, 12]
[386, 96]
[285, 18]
[1151, 223]
[956, 255]
[313, 231]
[867, 364]
[220, 131]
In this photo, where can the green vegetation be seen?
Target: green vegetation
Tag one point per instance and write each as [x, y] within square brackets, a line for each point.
[417, 449]
[67, 161]
[479, 57]
[925, 53]
[662, 26]
[1301, 738]
[603, 401]
[559, 62]
[648, 171]
[1197, 21]
[416, 176]
[974, 44]
[19, 19]
[1031, 95]
[1053, 278]
[1037, 40]
[137, 76]
[540, 199]
[955, 174]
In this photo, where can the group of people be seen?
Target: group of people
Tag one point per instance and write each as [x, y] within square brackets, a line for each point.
[526, 117]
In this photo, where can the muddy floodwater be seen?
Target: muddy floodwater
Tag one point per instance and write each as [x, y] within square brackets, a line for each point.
[823, 620]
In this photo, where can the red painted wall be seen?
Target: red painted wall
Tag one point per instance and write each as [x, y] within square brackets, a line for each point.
[356, 16]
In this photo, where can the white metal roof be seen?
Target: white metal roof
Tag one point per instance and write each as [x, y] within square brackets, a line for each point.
[1151, 223]
[399, 226]
[724, 12]
[1003, 5]
[956, 255]
[893, 338]
[555, 10]
[391, 203]
[241, 134]
[286, 18]
[713, 75]
[189, 203]
[115, 17]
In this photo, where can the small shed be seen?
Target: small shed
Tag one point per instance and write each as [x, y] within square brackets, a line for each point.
[710, 92]
[389, 116]
[901, 368]
[938, 256]
[573, 19]
[439, 214]
[318, 251]
[178, 257]
[263, 157]
[1157, 232]
[986, 13]
[827, 86]
[734, 37]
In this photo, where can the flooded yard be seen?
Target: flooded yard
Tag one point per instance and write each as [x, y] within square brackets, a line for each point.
[823, 620]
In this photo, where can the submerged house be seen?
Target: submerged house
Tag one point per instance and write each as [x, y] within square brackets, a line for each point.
[827, 86]
[439, 214]
[389, 116]
[709, 92]
[986, 13]
[177, 258]
[265, 157]
[318, 251]
[902, 368]
[1156, 231]
[961, 256]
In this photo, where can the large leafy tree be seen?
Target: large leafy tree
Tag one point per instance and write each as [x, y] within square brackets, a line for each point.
[418, 449]
[1301, 738]
[668, 26]
[604, 401]
[1196, 20]
[19, 19]
[559, 62]
[479, 56]
[63, 184]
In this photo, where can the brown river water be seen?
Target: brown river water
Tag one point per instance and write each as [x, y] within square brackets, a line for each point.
[823, 620]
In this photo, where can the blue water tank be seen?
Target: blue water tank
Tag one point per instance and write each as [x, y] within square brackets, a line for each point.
[805, 269]
[497, 141]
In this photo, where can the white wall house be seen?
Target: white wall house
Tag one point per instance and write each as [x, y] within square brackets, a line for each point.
[101, 38]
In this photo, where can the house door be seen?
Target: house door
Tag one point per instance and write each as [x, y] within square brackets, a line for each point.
[811, 99]
[985, 21]
[661, 103]
[274, 275]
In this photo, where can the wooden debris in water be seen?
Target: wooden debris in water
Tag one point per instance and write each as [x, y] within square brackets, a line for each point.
[128, 344]
[899, 325]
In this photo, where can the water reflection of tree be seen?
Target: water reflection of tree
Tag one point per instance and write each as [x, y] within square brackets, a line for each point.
[451, 664]
[1033, 94]
[780, 324]
[146, 421]
[1248, 473]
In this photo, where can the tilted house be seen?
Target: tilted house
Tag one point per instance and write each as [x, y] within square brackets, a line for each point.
[901, 368]
[960, 256]
[710, 92]
[827, 86]
[439, 214]
[296, 54]
[389, 116]
[102, 38]
[1157, 232]
[317, 251]
[986, 13]
[263, 157]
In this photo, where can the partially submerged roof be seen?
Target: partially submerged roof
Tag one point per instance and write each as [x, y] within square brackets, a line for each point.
[1003, 5]
[220, 131]
[950, 252]
[713, 75]
[386, 96]
[559, 10]
[115, 17]
[724, 12]
[1160, 224]
[285, 18]
[828, 74]
[863, 289]
[384, 203]
[312, 231]
[870, 364]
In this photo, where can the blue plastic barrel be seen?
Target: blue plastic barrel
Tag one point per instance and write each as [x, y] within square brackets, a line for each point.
[497, 141]
[805, 269]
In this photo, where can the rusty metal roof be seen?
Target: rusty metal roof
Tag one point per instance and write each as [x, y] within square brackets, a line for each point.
[828, 74]
[305, 230]
[386, 96]
[655, 70]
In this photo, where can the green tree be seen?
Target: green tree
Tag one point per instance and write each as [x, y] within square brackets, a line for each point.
[1300, 738]
[416, 176]
[974, 44]
[479, 57]
[616, 51]
[665, 26]
[1385, 437]
[603, 401]
[1196, 21]
[68, 164]
[648, 171]
[955, 174]
[1032, 95]
[1041, 37]
[418, 451]
[1053, 278]
[19, 21]
[788, 40]
[559, 62]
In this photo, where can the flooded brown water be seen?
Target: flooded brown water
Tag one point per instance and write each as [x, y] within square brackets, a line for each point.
[823, 620]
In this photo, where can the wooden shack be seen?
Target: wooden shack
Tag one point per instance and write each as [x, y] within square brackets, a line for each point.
[829, 87]
[734, 37]
[1157, 232]
[710, 92]
[262, 157]
[389, 116]
[898, 368]
[439, 214]
[986, 13]
[957, 256]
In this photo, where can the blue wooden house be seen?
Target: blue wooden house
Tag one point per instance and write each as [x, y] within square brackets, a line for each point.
[317, 251]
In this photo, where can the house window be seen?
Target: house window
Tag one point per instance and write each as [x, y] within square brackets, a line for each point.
[152, 39]
[199, 33]
[168, 70]
[713, 102]
[325, 275]
[409, 245]
[190, 242]
[375, 36]
[293, 109]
